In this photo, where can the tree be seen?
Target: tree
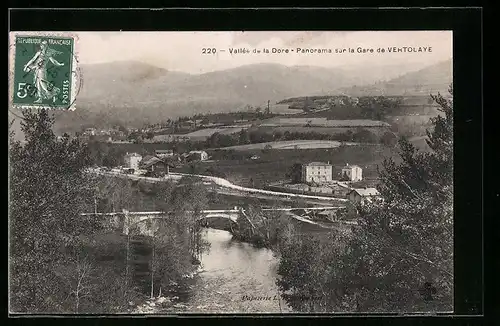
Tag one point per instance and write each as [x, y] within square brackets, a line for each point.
[123, 129]
[176, 242]
[214, 140]
[243, 137]
[307, 268]
[263, 230]
[267, 148]
[364, 136]
[48, 188]
[80, 285]
[389, 139]
[308, 104]
[295, 173]
[402, 246]
[114, 195]
[378, 107]
[135, 137]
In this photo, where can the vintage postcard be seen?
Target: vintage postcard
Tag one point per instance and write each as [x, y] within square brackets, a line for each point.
[231, 172]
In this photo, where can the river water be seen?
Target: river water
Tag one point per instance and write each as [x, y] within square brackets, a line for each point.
[236, 278]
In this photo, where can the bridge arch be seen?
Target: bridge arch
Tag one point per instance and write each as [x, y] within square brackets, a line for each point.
[146, 225]
[219, 221]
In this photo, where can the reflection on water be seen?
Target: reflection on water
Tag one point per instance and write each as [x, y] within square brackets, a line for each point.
[237, 278]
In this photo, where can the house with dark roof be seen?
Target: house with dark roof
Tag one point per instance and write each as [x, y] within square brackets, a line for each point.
[363, 195]
[155, 166]
[162, 153]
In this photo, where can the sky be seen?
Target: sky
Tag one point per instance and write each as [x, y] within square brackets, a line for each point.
[182, 51]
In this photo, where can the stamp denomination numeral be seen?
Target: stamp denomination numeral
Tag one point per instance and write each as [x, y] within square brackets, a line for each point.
[22, 90]
[25, 89]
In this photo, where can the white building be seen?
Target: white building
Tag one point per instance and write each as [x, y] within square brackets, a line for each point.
[198, 155]
[132, 160]
[363, 195]
[316, 172]
[352, 173]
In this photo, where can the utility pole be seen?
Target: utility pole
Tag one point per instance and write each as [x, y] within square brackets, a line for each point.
[268, 109]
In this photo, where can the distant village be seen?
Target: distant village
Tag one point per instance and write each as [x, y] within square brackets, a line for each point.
[314, 178]
[253, 126]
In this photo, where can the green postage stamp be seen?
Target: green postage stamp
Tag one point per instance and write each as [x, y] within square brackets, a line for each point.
[44, 72]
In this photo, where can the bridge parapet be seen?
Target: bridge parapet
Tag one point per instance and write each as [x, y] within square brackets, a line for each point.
[134, 219]
[125, 221]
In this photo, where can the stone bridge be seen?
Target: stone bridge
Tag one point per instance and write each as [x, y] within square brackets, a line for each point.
[144, 222]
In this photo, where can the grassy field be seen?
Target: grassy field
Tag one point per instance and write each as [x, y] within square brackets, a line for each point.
[322, 122]
[288, 144]
[210, 131]
[321, 130]
[274, 165]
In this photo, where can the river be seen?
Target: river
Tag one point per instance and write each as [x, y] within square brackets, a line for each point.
[236, 278]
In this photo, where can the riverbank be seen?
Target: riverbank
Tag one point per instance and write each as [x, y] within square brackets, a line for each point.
[171, 299]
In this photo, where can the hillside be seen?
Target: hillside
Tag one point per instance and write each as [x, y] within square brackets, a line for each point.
[432, 79]
[135, 93]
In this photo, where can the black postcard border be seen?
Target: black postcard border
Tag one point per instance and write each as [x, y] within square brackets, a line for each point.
[466, 24]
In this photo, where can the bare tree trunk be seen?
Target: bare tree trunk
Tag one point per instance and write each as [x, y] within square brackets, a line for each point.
[127, 259]
[279, 300]
[152, 268]
[242, 212]
[77, 300]
[81, 289]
